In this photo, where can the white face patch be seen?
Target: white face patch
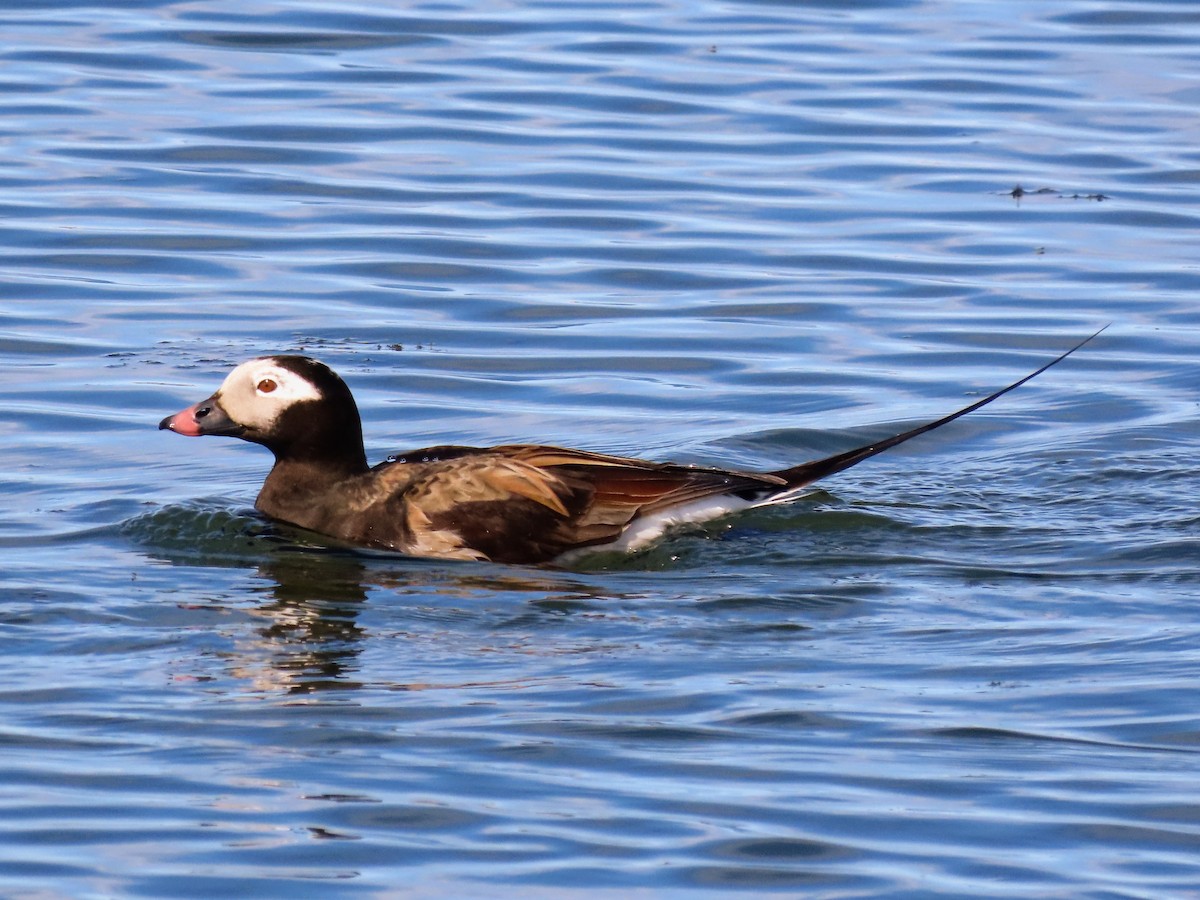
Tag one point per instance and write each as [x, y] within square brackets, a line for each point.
[256, 392]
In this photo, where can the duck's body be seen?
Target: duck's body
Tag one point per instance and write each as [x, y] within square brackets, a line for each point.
[514, 504]
[519, 503]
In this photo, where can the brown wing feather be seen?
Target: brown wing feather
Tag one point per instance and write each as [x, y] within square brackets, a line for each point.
[489, 503]
[530, 503]
[623, 481]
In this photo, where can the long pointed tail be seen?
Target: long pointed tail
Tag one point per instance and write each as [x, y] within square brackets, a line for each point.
[806, 473]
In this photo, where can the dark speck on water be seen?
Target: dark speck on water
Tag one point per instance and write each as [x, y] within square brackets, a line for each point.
[745, 235]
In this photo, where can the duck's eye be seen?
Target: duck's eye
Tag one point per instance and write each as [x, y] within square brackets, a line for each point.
[266, 386]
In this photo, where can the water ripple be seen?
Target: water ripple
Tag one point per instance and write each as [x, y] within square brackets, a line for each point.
[747, 234]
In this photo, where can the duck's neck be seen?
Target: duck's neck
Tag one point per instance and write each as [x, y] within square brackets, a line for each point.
[303, 485]
[325, 437]
[336, 462]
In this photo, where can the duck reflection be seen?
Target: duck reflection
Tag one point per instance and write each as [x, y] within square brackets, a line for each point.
[310, 623]
[311, 629]
[310, 635]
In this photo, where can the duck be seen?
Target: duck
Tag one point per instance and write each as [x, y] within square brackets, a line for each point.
[523, 504]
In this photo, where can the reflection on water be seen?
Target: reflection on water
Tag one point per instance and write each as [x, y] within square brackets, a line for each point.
[745, 234]
[309, 638]
[307, 596]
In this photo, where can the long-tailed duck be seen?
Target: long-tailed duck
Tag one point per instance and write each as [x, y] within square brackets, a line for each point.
[517, 503]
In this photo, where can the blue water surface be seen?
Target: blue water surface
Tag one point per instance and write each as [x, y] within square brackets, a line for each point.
[740, 233]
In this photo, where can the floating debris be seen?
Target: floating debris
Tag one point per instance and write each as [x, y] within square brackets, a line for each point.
[1018, 192]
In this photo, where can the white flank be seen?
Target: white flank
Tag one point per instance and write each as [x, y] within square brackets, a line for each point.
[645, 531]
[791, 496]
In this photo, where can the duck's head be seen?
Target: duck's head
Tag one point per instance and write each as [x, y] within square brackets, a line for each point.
[293, 405]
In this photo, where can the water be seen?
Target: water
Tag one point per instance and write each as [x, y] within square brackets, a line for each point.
[738, 233]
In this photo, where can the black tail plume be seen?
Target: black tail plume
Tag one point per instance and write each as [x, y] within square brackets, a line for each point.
[806, 473]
